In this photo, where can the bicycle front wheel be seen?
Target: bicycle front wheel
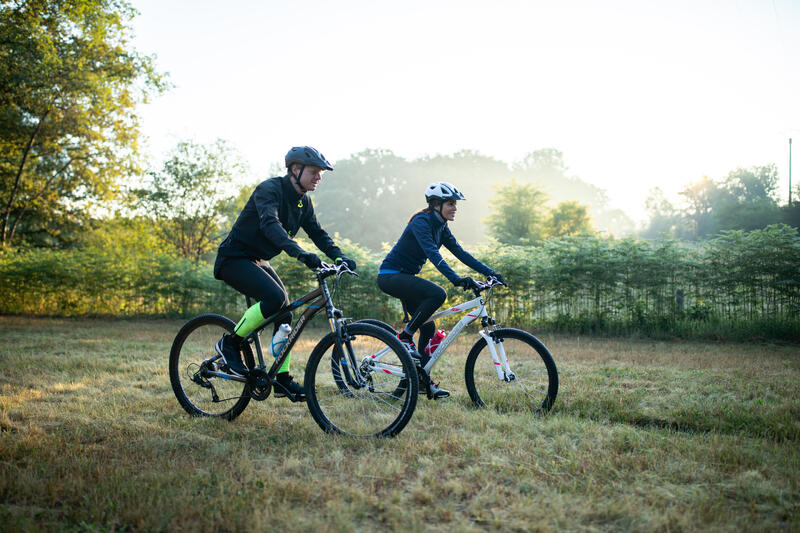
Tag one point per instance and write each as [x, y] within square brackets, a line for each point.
[351, 387]
[531, 384]
[196, 371]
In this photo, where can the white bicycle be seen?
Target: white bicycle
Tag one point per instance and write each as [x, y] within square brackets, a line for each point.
[507, 369]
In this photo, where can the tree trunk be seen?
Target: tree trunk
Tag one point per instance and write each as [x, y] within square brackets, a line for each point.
[17, 181]
[47, 185]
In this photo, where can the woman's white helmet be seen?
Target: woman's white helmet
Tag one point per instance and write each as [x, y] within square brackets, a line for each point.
[441, 190]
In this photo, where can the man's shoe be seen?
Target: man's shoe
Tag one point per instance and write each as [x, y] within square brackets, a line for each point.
[230, 350]
[287, 387]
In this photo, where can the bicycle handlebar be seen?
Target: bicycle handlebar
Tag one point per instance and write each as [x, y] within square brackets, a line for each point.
[490, 282]
[327, 270]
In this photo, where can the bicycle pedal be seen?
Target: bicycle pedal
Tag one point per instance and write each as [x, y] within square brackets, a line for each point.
[282, 392]
[294, 398]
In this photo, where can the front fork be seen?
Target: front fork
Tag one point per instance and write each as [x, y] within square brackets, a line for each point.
[498, 353]
[353, 375]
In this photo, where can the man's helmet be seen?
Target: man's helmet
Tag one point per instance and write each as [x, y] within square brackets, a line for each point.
[441, 190]
[306, 155]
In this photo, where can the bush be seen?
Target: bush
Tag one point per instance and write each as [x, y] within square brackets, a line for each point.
[580, 284]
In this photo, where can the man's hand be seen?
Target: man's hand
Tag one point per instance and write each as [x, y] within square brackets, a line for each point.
[347, 261]
[310, 260]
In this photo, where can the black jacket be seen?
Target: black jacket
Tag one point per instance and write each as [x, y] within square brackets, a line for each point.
[420, 241]
[269, 221]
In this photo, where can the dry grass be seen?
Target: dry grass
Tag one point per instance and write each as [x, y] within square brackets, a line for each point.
[645, 436]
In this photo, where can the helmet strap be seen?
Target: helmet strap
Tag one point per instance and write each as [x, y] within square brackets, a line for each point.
[296, 178]
[439, 209]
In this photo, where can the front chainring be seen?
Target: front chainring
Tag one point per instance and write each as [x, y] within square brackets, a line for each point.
[260, 386]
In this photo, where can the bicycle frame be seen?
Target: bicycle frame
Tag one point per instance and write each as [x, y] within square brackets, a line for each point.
[315, 300]
[496, 348]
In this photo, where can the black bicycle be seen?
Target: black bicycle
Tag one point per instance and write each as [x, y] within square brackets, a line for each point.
[345, 393]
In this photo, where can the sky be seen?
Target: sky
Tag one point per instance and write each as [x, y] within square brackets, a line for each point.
[636, 94]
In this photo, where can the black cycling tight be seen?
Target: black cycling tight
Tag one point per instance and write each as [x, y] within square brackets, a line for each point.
[421, 298]
[259, 281]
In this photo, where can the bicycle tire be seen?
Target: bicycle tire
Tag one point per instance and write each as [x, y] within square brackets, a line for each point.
[380, 323]
[341, 372]
[535, 385]
[402, 385]
[365, 407]
[194, 346]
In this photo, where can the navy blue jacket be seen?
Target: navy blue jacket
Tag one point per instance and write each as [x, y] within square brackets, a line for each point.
[421, 240]
[269, 221]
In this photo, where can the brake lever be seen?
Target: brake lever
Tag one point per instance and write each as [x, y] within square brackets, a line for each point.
[492, 281]
[342, 268]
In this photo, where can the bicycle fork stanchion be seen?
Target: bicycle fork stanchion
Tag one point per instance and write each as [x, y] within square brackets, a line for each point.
[499, 359]
[498, 351]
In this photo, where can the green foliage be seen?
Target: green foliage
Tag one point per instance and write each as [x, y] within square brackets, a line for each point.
[92, 282]
[790, 214]
[191, 196]
[521, 216]
[568, 219]
[69, 84]
[739, 285]
[746, 199]
[518, 213]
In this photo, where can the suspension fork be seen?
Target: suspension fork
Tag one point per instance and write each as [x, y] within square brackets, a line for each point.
[341, 341]
[347, 358]
[498, 353]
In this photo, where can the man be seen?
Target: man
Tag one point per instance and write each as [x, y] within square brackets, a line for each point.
[270, 220]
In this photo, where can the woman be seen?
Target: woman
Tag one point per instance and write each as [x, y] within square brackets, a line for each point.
[425, 233]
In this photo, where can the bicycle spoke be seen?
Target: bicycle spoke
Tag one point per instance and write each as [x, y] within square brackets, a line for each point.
[536, 380]
[366, 405]
[192, 360]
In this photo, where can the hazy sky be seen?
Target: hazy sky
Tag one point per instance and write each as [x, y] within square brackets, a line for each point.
[636, 94]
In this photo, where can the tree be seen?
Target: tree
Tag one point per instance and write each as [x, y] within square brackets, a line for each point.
[191, 196]
[568, 219]
[665, 219]
[751, 184]
[701, 197]
[367, 197]
[518, 212]
[751, 200]
[547, 168]
[791, 214]
[69, 84]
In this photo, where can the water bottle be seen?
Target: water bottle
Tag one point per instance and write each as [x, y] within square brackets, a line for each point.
[279, 339]
[435, 341]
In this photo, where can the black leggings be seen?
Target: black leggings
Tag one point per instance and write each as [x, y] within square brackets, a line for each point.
[259, 281]
[421, 298]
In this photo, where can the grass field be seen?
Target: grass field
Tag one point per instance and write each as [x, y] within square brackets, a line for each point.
[645, 436]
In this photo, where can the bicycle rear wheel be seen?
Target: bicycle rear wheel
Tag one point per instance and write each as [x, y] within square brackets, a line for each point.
[192, 362]
[532, 384]
[351, 393]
